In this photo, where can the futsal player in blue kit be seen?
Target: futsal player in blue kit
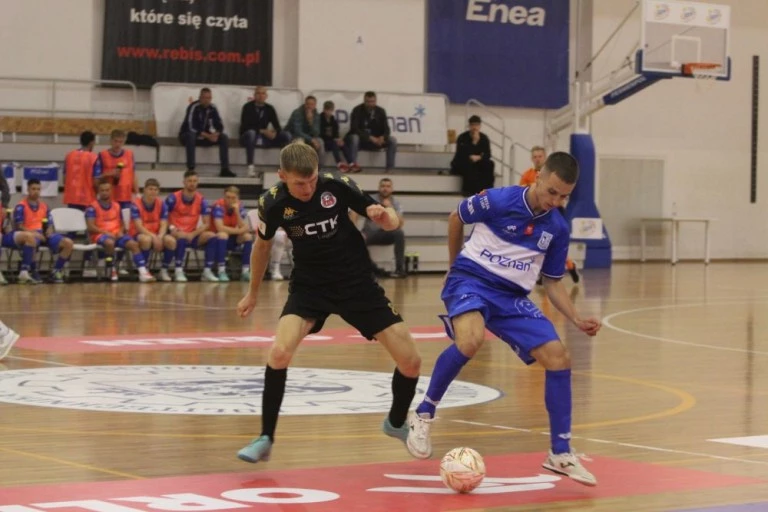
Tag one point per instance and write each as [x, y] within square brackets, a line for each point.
[518, 233]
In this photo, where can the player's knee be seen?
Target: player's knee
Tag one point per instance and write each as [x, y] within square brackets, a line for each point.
[410, 366]
[553, 356]
[561, 361]
[279, 357]
[222, 235]
[66, 244]
[247, 237]
[469, 345]
[170, 243]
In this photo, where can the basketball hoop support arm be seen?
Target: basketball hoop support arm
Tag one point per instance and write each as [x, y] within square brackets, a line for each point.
[584, 105]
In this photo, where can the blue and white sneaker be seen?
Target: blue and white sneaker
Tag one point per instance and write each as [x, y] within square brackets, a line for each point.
[7, 338]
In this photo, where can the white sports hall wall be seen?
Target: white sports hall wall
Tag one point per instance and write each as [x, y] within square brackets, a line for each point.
[703, 140]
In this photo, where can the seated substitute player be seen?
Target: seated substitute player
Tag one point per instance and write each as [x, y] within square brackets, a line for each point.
[26, 242]
[518, 233]
[22, 240]
[32, 215]
[105, 225]
[149, 226]
[228, 221]
[332, 274]
[188, 215]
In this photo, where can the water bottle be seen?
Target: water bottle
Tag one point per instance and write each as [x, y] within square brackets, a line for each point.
[416, 263]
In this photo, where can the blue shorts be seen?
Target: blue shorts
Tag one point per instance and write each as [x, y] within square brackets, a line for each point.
[513, 318]
[119, 242]
[7, 241]
[53, 242]
[232, 243]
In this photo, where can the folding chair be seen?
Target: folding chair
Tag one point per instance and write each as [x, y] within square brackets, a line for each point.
[72, 220]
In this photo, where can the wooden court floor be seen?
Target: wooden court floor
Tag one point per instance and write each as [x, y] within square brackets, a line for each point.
[682, 360]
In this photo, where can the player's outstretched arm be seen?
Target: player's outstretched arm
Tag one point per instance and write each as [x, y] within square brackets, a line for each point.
[385, 217]
[259, 261]
[559, 297]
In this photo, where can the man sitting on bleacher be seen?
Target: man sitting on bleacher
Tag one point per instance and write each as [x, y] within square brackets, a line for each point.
[33, 216]
[374, 235]
[260, 127]
[80, 172]
[189, 219]
[117, 164]
[304, 124]
[106, 228]
[472, 160]
[369, 130]
[202, 126]
[149, 226]
[228, 221]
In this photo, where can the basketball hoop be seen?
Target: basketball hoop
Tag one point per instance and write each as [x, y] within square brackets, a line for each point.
[705, 73]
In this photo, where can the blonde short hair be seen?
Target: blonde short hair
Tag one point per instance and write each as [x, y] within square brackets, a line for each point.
[299, 157]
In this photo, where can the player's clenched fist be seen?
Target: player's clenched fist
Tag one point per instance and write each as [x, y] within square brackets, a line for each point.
[376, 212]
[246, 305]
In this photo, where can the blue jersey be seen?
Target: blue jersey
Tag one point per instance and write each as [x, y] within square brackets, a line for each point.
[509, 245]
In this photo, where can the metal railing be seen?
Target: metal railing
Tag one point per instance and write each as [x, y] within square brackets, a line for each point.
[53, 109]
[507, 145]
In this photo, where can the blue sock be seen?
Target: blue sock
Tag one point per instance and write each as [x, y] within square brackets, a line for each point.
[27, 254]
[181, 250]
[60, 262]
[210, 253]
[138, 260]
[247, 248]
[447, 367]
[167, 258]
[146, 255]
[557, 395]
[221, 254]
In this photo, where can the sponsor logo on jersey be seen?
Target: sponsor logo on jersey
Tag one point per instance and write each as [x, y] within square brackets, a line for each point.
[505, 261]
[288, 213]
[323, 228]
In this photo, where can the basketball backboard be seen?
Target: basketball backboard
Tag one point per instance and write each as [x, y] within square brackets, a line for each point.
[678, 34]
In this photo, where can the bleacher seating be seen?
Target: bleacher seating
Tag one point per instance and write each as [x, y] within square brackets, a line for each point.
[72, 126]
[426, 195]
[45, 152]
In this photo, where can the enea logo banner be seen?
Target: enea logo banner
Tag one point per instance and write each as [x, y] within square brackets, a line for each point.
[501, 52]
[207, 41]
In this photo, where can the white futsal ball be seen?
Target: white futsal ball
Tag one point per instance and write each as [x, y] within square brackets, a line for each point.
[462, 469]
